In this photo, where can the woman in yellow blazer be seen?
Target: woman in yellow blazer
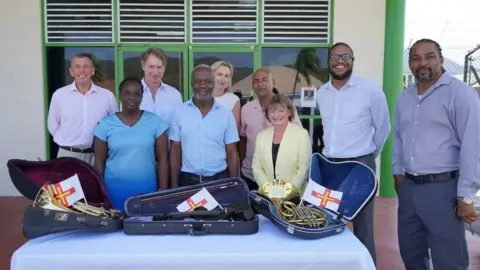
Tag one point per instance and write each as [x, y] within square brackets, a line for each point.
[282, 151]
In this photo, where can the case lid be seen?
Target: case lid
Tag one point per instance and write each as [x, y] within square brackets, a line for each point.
[29, 176]
[224, 191]
[355, 180]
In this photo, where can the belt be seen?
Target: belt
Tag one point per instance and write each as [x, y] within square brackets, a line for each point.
[347, 159]
[191, 177]
[77, 150]
[432, 178]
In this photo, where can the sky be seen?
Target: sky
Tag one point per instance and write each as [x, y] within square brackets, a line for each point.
[453, 23]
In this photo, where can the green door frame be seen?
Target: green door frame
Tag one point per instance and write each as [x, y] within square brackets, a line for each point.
[122, 49]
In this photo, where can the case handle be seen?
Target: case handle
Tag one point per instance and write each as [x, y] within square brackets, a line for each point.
[199, 230]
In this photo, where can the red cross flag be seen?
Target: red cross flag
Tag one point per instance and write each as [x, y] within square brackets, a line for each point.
[203, 198]
[322, 197]
[68, 191]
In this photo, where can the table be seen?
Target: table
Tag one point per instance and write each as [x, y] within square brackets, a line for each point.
[270, 248]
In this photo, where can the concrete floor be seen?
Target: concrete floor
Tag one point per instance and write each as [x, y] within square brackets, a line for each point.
[12, 208]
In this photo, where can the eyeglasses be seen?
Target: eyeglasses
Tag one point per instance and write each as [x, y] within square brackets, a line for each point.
[345, 57]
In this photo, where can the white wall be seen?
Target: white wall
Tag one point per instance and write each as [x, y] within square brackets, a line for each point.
[358, 23]
[22, 114]
[361, 24]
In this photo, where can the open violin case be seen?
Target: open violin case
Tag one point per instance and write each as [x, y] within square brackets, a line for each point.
[356, 181]
[156, 213]
[29, 177]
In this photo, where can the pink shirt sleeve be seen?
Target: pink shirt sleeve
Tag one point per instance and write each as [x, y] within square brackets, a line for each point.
[243, 126]
[54, 115]
[113, 105]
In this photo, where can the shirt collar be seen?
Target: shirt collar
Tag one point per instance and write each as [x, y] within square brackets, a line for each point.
[444, 79]
[93, 88]
[352, 81]
[146, 89]
[215, 103]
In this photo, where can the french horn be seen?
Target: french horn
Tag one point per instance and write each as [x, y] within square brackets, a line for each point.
[286, 199]
[45, 199]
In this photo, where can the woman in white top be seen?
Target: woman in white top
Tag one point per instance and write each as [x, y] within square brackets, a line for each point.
[223, 84]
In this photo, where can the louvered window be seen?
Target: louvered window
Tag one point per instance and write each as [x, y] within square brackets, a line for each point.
[222, 21]
[78, 20]
[296, 21]
[152, 21]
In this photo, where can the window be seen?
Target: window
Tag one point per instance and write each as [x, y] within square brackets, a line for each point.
[77, 21]
[151, 21]
[300, 21]
[294, 68]
[227, 21]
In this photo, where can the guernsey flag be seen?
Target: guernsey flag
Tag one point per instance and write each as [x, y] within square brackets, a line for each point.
[203, 198]
[322, 197]
[68, 191]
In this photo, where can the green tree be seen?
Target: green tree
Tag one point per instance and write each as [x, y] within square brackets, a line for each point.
[306, 63]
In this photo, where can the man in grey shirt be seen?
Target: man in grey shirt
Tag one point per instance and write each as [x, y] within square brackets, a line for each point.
[435, 162]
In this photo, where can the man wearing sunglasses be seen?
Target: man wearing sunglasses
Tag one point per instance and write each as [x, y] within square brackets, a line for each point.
[356, 124]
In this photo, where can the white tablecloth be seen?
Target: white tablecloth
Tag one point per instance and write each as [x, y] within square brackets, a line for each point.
[270, 248]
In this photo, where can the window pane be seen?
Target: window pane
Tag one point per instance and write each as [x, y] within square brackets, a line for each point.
[315, 129]
[242, 63]
[172, 75]
[294, 68]
[58, 75]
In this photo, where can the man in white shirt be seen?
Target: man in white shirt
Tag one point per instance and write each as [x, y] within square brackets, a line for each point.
[158, 97]
[76, 109]
[356, 125]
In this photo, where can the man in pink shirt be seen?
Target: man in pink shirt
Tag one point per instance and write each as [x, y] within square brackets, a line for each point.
[77, 108]
[253, 121]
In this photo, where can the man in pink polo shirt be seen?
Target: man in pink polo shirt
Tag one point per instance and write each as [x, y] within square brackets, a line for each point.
[253, 121]
[76, 109]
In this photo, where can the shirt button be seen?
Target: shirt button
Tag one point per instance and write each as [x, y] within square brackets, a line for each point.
[411, 158]
[415, 123]
[418, 105]
[413, 141]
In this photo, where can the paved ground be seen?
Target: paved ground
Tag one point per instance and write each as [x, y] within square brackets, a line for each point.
[11, 211]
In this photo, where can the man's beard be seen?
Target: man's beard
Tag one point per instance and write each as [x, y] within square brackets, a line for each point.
[343, 76]
[203, 96]
[424, 78]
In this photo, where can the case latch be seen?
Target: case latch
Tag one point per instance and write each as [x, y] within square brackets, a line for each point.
[198, 229]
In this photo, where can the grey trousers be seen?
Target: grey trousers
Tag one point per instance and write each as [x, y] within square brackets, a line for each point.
[87, 157]
[363, 223]
[427, 219]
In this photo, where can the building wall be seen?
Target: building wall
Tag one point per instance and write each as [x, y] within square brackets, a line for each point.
[22, 132]
[359, 23]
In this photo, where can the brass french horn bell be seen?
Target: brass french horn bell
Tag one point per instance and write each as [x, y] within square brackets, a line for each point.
[45, 199]
[286, 198]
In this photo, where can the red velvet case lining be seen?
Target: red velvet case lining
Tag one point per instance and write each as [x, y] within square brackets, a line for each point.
[54, 171]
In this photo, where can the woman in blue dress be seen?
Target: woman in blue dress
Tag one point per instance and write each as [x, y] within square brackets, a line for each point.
[127, 145]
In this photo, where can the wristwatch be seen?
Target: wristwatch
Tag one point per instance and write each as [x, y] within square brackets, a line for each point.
[466, 200]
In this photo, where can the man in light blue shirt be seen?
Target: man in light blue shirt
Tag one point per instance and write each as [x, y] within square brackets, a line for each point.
[356, 124]
[203, 136]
